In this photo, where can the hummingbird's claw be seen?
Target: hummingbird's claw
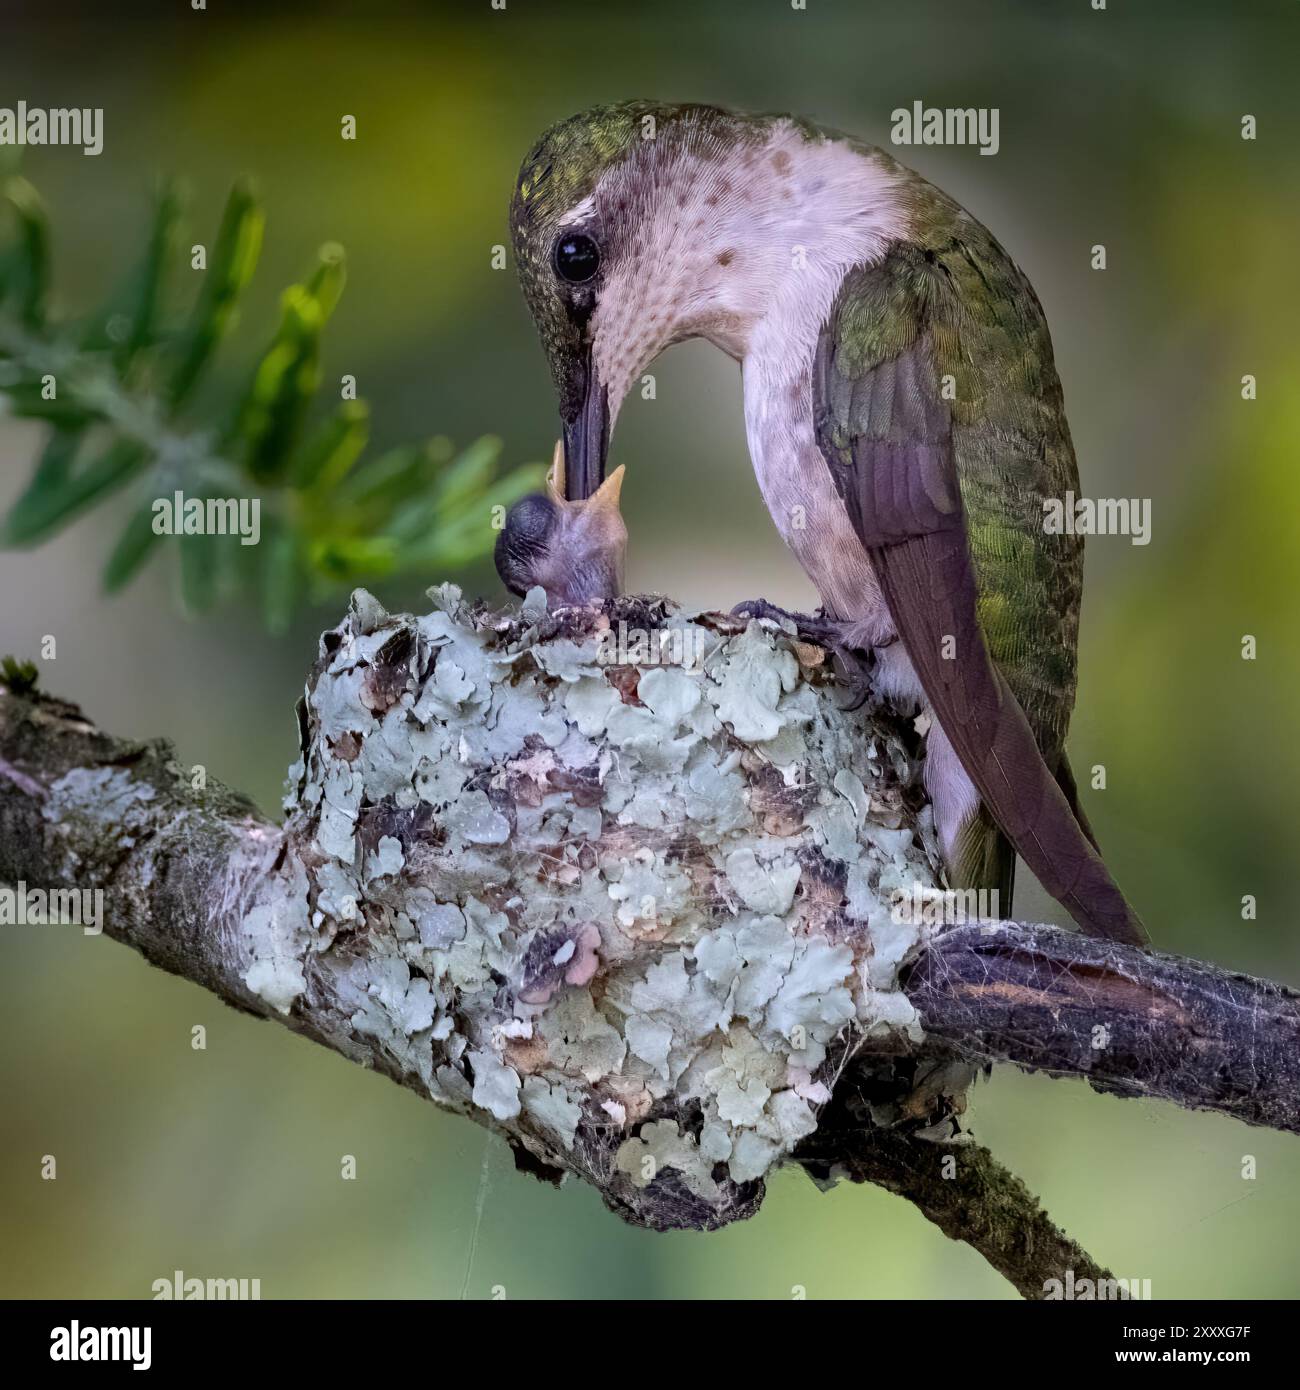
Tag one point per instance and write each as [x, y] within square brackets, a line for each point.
[809, 626]
[852, 666]
[853, 671]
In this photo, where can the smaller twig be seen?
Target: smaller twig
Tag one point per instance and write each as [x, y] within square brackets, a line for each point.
[959, 1186]
[983, 1204]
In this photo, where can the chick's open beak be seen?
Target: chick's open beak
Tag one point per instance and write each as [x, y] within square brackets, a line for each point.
[573, 549]
[601, 506]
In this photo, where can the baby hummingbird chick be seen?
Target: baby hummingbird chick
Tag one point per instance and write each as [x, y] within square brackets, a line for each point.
[574, 550]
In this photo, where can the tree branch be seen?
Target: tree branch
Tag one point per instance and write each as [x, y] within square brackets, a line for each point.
[1131, 1022]
[82, 810]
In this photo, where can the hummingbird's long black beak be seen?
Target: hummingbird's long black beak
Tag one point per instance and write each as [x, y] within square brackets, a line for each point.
[586, 438]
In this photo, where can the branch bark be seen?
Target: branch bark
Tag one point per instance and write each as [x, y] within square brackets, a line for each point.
[83, 810]
[185, 869]
[1131, 1022]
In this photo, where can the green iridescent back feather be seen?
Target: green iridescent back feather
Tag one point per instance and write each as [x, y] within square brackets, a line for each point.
[988, 338]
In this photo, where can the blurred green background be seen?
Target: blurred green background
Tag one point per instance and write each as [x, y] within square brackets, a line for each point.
[1119, 127]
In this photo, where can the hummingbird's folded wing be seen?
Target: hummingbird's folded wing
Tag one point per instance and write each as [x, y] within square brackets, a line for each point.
[886, 433]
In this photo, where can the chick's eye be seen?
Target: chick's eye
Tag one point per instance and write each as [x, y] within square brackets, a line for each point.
[577, 258]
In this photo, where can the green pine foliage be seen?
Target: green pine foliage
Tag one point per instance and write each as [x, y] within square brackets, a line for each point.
[19, 677]
[114, 388]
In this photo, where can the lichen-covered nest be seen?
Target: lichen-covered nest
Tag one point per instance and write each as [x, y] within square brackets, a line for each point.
[614, 881]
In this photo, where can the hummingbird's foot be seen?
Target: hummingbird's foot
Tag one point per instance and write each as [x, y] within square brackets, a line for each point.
[852, 665]
[853, 671]
[810, 627]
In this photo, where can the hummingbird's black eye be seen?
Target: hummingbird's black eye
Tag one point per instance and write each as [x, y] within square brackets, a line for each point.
[577, 258]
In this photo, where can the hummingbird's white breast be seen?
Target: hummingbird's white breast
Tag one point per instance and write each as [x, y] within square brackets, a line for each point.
[748, 247]
[827, 207]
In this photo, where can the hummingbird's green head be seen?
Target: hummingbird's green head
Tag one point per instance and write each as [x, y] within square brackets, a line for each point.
[614, 227]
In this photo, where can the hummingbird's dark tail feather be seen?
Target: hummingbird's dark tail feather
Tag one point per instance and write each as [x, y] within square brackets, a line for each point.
[929, 584]
[1070, 791]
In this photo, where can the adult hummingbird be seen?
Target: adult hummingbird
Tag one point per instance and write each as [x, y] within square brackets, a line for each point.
[904, 418]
